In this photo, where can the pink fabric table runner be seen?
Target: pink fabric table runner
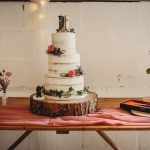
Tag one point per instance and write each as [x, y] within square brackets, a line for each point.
[21, 115]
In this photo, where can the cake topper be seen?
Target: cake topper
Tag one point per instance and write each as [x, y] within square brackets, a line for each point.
[67, 22]
[61, 23]
[64, 24]
[39, 95]
[39, 91]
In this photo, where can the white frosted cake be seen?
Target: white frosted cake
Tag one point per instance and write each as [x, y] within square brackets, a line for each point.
[65, 77]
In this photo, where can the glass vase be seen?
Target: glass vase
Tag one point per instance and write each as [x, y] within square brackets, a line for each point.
[4, 99]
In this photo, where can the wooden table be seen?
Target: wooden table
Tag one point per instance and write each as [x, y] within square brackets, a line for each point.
[65, 130]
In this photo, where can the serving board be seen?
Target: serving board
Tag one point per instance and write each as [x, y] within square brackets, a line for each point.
[55, 108]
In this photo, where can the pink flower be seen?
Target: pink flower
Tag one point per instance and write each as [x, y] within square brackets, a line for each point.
[51, 48]
[8, 74]
[71, 73]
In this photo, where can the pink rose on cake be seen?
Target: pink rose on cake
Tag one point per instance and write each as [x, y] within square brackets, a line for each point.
[54, 50]
[71, 73]
[51, 48]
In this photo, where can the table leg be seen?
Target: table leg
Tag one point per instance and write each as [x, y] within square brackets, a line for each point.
[107, 139]
[19, 140]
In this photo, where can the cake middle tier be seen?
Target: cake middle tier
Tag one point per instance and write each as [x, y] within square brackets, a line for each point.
[64, 80]
[56, 69]
[72, 58]
[64, 83]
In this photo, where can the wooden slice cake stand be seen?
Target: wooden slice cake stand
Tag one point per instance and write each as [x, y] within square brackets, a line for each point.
[54, 108]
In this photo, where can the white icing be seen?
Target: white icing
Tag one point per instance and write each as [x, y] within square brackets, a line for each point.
[64, 88]
[65, 41]
[64, 80]
[72, 58]
[63, 67]
[39, 98]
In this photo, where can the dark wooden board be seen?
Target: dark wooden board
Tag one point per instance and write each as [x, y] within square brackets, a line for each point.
[54, 108]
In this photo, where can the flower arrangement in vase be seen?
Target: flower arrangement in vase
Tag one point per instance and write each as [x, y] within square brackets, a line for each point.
[4, 82]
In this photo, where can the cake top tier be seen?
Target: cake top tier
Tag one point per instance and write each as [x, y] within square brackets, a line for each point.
[64, 24]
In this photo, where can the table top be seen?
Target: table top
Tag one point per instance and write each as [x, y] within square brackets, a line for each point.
[102, 102]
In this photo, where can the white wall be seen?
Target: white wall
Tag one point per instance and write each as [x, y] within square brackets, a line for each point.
[113, 40]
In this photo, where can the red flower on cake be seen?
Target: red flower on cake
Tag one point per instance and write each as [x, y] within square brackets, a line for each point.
[71, 73]
[51, 48]
[8, 74]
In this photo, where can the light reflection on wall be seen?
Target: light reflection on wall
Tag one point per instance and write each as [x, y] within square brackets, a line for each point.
[39, 10]
[39, 41]
[33, 7]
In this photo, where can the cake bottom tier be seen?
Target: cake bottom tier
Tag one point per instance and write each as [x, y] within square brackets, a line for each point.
[54, 108]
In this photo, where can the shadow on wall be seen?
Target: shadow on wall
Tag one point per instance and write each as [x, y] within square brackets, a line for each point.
[125, 80]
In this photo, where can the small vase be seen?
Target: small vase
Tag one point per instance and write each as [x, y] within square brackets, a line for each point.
[4, 99]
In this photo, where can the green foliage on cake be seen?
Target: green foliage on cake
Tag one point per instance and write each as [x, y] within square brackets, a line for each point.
[72, 73]
[54, 51]
[67, 94]
[81, 92]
